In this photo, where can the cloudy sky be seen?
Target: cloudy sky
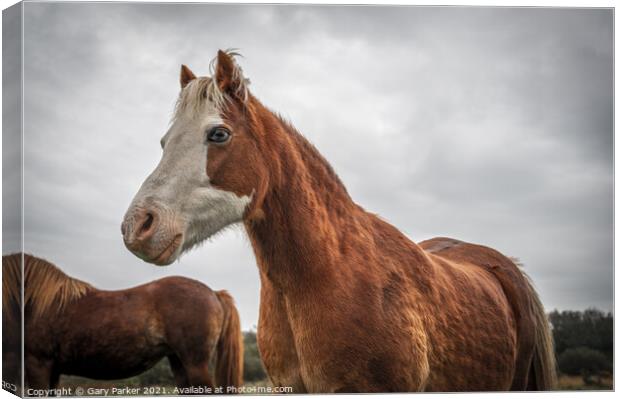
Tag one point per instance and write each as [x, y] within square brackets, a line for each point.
[491, 125]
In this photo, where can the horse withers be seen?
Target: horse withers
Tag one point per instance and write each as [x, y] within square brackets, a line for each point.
[71, 327]
[348, 302]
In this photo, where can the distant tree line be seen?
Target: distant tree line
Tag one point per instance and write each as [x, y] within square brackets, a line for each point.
[253, 369]
[584, 342]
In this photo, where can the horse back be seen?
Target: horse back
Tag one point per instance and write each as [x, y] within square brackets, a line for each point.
[513, 283]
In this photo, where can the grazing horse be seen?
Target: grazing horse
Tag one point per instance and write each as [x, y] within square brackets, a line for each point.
[70, 327]
[348, 302]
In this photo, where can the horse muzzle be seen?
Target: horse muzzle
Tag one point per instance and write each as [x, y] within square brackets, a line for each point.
[152, 235]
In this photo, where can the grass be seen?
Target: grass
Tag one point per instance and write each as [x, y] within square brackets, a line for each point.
[576, 383]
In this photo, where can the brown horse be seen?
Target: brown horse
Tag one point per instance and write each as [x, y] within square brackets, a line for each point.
[70, 327]
[348, 302]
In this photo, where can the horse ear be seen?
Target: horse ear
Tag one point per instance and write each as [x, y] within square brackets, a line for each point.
[186, 76]
[228, 75]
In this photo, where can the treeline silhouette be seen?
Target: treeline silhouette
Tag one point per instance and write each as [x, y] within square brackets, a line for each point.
[253, 369]
[584, 343]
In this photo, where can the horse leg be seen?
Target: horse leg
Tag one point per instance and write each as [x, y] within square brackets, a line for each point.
[180, 377]
[275, 340]
[198, 375]
[54, 380]
[190, 363]
[38, 373]
[191, 373]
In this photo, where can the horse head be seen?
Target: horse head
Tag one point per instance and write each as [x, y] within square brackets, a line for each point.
[212, 173]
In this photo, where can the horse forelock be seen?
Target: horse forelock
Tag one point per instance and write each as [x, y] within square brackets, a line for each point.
[46, 286]
[198, 94]
[204, 91]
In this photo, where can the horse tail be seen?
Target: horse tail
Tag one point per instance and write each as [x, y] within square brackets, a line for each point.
[543, 371]
[229, 361]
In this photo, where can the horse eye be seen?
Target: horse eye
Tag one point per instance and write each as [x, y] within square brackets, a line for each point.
[218, 135]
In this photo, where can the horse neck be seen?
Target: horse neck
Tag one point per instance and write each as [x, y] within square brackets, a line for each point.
[310, 228]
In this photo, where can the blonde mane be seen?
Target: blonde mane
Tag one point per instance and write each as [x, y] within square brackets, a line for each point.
[47, 288]
[205, 89]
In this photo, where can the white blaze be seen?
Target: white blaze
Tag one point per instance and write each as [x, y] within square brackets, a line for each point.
[180, 185]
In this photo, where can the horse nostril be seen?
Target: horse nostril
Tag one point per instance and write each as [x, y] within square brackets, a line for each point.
[146, 226]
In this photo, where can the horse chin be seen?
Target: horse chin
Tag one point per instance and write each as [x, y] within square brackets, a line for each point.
[170, 253]
[163, 263]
